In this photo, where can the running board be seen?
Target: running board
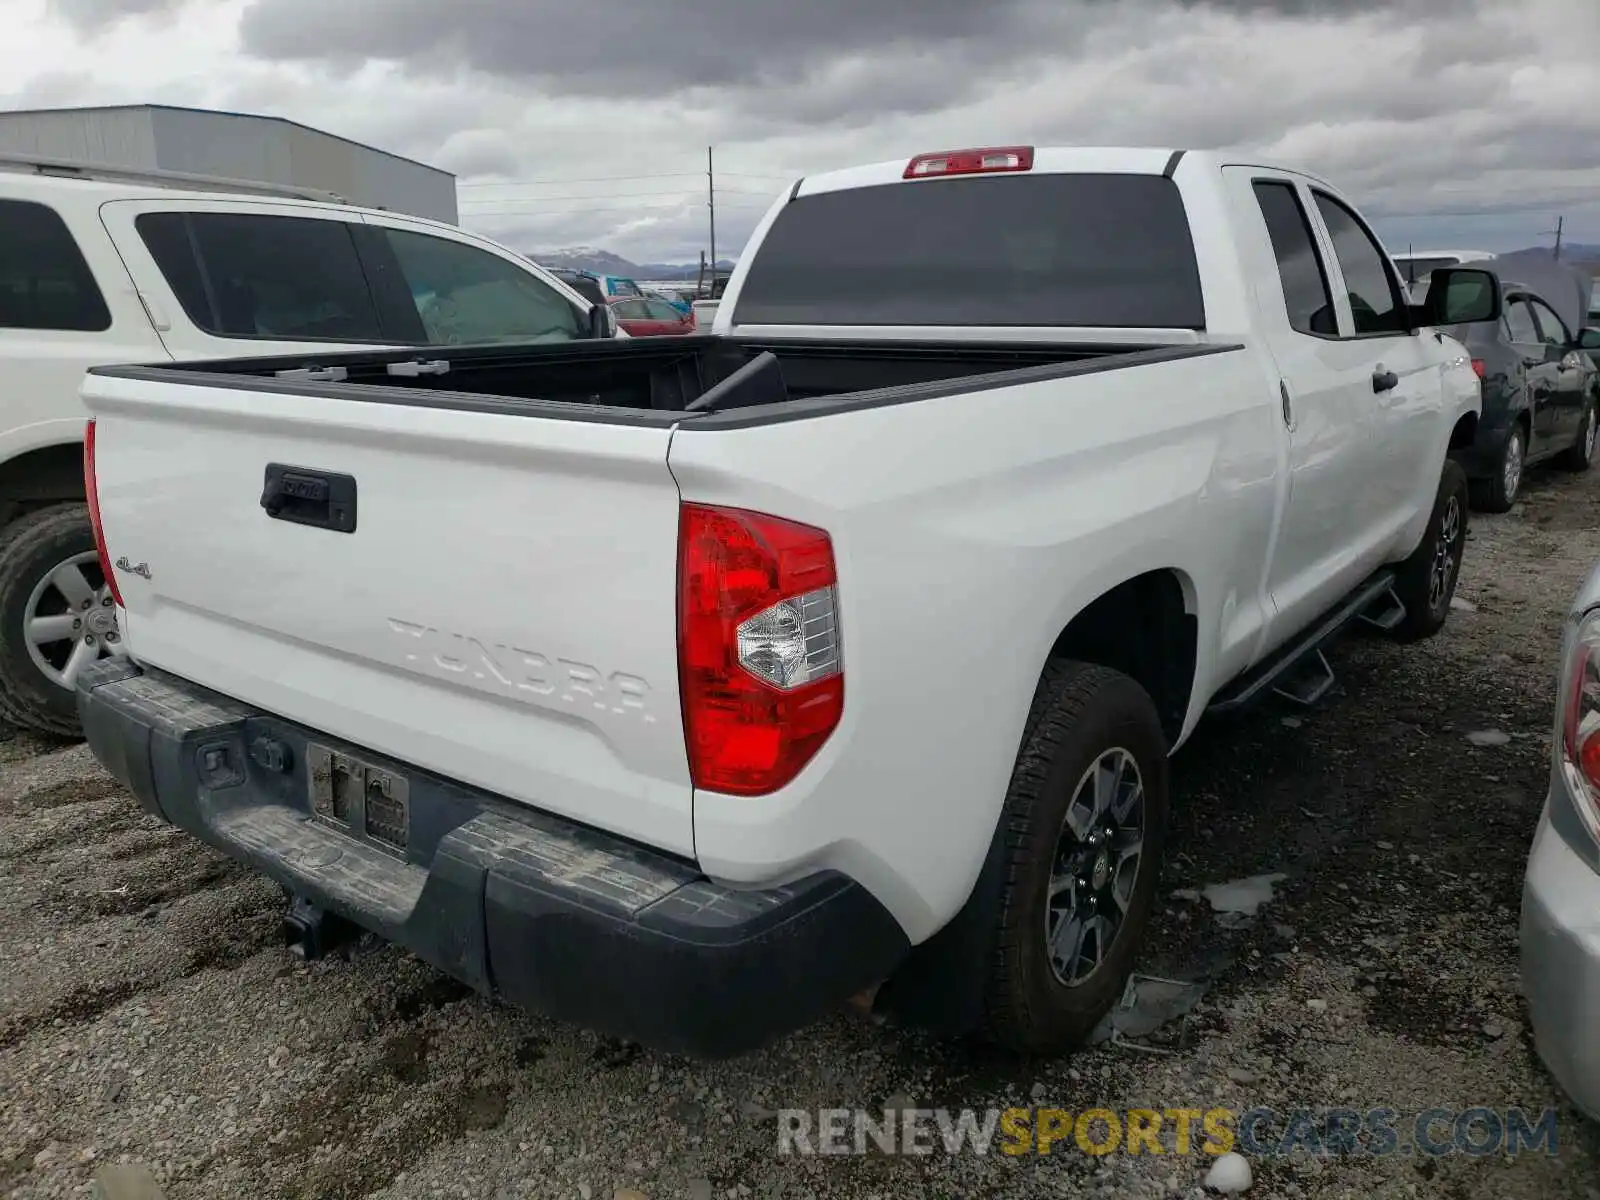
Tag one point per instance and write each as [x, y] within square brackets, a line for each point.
[1386, 612]
[1300, 672]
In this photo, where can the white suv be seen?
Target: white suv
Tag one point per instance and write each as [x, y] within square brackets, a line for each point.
[102, 265]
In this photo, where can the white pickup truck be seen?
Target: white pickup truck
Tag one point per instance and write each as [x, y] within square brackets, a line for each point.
[685, 688]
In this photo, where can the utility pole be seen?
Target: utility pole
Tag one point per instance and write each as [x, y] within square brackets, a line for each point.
[1556, 232]
[711, 203]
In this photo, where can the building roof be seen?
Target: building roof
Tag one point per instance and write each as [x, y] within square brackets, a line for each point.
[218, 112]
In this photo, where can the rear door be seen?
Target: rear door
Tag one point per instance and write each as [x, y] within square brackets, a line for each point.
[1573, 372]
[1538, 374]
[1325, 540]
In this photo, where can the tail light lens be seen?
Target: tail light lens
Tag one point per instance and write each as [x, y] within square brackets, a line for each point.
[1580, 718]
[759, 658]
[91, 493]
[1479, 368]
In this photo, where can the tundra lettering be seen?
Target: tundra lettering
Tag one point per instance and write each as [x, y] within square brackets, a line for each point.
[518, 671]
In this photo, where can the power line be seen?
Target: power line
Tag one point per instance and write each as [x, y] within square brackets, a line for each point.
[615, 196]
[620, 179]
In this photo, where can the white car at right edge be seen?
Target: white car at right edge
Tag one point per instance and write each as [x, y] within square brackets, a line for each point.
[685, 690]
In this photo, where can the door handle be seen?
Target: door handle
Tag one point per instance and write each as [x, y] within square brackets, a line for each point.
[1384, 381]
[321, 499]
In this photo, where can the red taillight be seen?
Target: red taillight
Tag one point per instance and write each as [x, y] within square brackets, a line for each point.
[759, 659]
[1580, 717]
[1479, 368]
[91, 493]
[971, 162]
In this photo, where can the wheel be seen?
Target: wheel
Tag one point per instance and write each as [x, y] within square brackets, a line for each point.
[1498, 493]
[1426, 581]
[1086, 817]
[1580, 454]
[56, 616]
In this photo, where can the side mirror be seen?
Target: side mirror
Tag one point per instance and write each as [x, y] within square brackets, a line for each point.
[602, 322]
[1589, 339]
[1460, 296]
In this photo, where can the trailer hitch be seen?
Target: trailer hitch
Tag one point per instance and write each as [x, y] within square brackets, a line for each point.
[311, 931]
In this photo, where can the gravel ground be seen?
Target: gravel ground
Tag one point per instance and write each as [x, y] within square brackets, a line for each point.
[147, 1013]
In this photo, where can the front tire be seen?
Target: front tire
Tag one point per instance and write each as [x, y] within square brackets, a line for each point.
[1580, 454]
[1426, 581]
[1498, 493]
[56, 616]
[1085, 823]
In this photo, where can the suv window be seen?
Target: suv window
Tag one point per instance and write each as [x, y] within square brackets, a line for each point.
[986, 250]
[253, 275]
[1305, 282]
[631, 310]
[44, 281]
[1519, 323]
[1553, 327]
[465, 295]
[1375, 299]
[660, 310]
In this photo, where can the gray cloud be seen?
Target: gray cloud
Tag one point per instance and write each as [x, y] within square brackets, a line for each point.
[91, 16]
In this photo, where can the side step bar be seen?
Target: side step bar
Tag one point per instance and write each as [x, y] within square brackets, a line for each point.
[1299, 672]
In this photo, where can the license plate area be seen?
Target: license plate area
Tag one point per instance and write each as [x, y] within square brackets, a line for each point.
[360, 798]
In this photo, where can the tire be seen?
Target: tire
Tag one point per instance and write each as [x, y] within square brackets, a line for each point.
[1580, 454]
[1081, 715]
[1499, 492]
[31, 548]
[1426, 581]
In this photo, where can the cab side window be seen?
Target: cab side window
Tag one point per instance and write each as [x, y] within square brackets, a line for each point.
[1376, 302]
[465, 295]
[1551, 326]
[1520, 324]
[1305, 282]
[44, 281]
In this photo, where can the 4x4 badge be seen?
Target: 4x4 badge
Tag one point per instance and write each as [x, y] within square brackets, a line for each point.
[142, 570]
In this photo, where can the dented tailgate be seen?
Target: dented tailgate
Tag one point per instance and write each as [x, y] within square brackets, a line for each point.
[490, 596]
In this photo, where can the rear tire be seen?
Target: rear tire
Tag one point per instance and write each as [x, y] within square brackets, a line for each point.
[1088, 726]
[32, 549]
[1580, 454]
[1426, 581]
[1499, 492]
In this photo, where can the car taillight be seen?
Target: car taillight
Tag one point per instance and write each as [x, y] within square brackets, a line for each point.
[759, 660]
[91, 491]
[1580, 717]
[970, 162]
[1479, 368]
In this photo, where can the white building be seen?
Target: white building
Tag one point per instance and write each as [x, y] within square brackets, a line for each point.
[235, 145]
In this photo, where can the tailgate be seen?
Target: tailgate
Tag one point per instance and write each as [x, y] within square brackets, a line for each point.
[502, 613]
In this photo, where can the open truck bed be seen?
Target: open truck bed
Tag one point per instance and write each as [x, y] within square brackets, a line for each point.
[663, 381]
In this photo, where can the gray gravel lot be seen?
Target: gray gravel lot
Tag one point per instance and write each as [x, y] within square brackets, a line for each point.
[147, 1012]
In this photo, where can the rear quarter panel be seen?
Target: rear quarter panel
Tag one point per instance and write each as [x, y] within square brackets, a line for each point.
[968, 531]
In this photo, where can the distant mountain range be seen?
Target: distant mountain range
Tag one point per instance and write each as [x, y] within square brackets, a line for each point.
[603, 262]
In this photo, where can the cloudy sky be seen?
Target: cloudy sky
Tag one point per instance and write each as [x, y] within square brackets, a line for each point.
[585, 122]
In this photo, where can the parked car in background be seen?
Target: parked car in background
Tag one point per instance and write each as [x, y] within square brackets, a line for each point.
[845, 649]
[585, 284]
[644, 317]
[1560, 929]
[682, 303]
[101, 264]
[1417, 266]
[1541, 390]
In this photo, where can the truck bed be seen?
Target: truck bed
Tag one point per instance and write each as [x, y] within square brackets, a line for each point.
[661, 380]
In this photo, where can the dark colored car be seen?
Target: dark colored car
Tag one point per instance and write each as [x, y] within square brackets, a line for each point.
[1541, 390]
[643, 317]
[585, 284]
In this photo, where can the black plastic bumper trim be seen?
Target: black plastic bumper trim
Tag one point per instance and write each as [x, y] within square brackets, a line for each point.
[545, 913]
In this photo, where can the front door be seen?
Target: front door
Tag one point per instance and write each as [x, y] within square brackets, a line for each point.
[1570, 374]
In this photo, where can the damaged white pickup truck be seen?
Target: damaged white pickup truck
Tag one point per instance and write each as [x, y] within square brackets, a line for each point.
[686, 687]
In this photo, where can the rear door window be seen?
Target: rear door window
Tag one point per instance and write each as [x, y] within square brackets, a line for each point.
[1069, 250]
[44, 281]
[1552, 327]
[1306, 294]
[257, 275]
[465, 295]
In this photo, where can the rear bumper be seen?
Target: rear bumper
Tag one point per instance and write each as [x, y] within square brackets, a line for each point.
[1560, 946]
[549, 915]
